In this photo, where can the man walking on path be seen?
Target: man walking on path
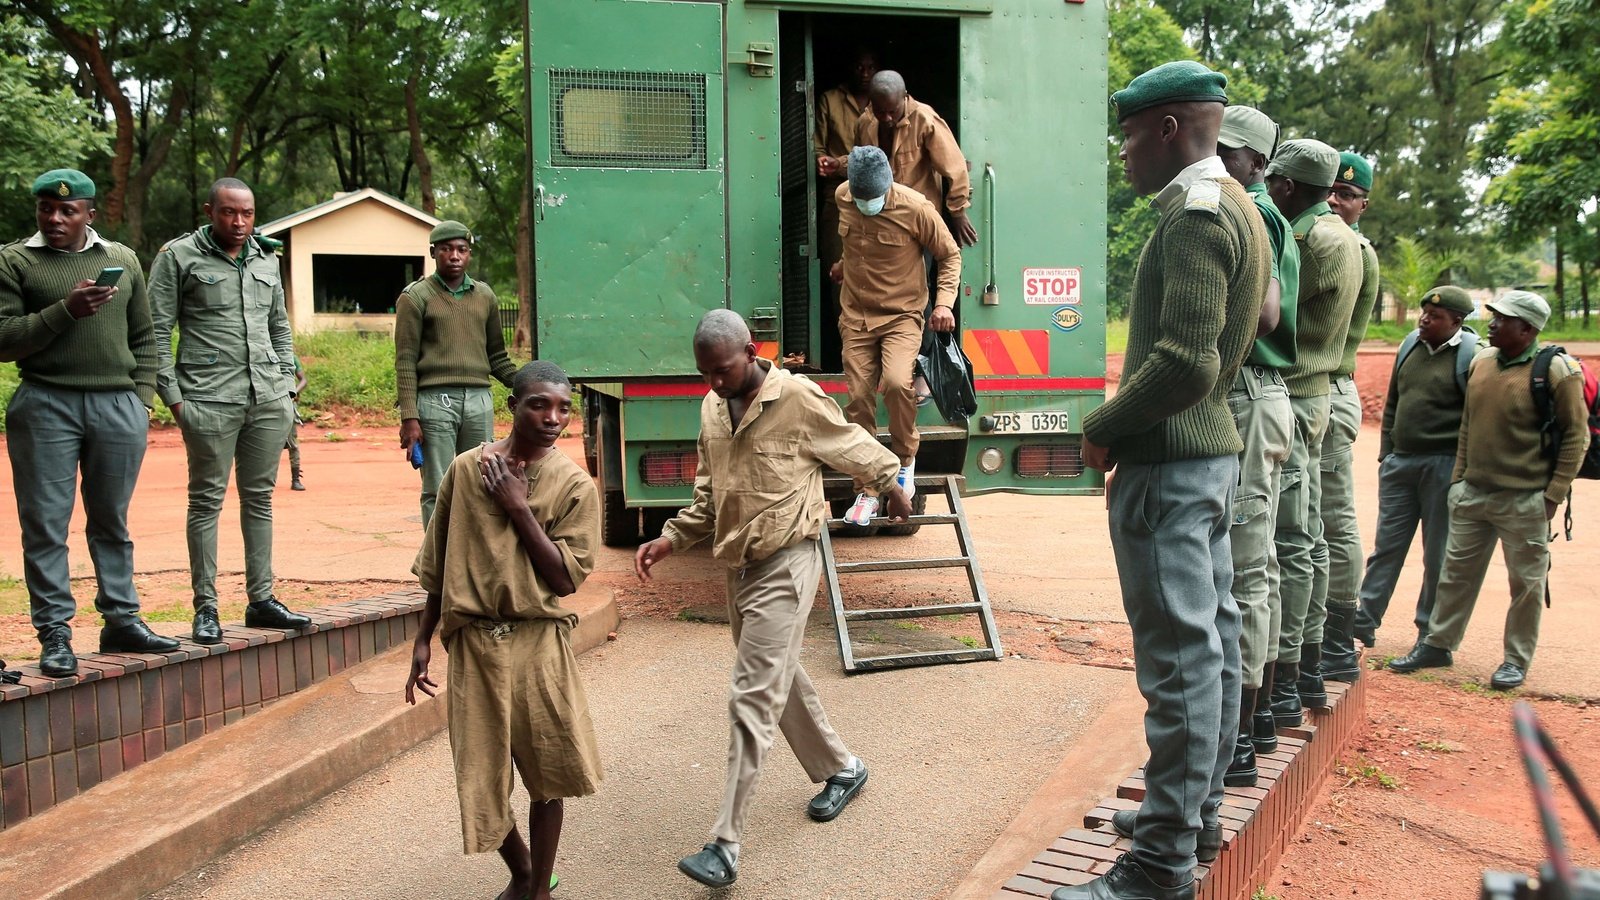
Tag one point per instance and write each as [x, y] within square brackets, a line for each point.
[1416, 455]
[447, 345]
[229, 391]
[1338, 593]
[765, 435]
[516, 530]
[888, 228]
[1259, 402]
[1506, 487]
[1299, 180]
[86, 354]
[1169, 435]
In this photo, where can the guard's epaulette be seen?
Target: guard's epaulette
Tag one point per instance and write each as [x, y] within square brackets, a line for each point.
[174, 241]
[1204, 195]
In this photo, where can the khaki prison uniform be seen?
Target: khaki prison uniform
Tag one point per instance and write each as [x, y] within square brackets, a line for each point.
[923, 154]
[882, 302]
[1499, 487]
[837, 112]
[758, 498]
[515, 697]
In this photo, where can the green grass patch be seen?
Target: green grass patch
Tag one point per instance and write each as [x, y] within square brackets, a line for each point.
[1261, 894]
[1117, 336]
[1437, 746]
[13, 596]
[969, 641]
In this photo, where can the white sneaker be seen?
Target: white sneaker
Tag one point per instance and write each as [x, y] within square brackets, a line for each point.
[862, 511]
[907, 479]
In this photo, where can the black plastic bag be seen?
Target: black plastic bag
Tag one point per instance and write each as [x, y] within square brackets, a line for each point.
[949, 375]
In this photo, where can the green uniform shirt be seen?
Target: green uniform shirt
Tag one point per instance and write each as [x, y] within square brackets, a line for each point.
[1276, 349]
[1330, 281]
[234, 340]
[445, 338]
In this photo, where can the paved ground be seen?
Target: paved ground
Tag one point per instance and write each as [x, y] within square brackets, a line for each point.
[945, 780]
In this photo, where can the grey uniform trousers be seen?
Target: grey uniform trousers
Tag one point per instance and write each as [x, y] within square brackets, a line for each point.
[1412, 488]
[1169, 532]
[52, 433]
[1478, 519]
[246, 438]
[768, 602]
[453, 421]
[1260, 405]
[1301, 550]
[1339, 585]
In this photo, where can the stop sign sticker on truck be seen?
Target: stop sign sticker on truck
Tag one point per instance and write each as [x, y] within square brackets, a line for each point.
[1052, 287]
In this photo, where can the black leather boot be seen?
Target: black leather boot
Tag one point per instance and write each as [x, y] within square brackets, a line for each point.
[1366, 628]
[1264, 731]
[1286, 709]
[295, 484]
[1341, 661]
[1242, 771]
[1313, 694]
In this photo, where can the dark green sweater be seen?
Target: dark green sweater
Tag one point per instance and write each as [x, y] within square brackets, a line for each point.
[1423, 411]
[1361, 313]
[441, 340]
[1330, 284]
[112, 350]
[1196, 301]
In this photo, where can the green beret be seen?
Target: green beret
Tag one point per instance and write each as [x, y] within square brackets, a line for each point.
[1354, 169]
[449, 230]
[1306, 161]
[1183, 81]
[64, 184]
[1450, 297]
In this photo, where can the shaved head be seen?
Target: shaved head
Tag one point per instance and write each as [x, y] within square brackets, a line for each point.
[1162, 141]
[721, 328]
[888, 85]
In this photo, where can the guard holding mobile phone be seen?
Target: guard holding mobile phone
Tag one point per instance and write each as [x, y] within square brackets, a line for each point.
[229, 388]
[75, 319]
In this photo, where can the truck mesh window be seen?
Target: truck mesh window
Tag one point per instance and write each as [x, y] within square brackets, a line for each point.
[647, 120]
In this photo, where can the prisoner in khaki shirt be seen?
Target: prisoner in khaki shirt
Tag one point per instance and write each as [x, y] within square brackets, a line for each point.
[765, 435]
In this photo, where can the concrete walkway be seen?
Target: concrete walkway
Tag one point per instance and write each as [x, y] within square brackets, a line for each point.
[955, 753]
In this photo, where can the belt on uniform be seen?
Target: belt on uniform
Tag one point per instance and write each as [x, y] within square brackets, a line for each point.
[1241, 379]
[497, 628]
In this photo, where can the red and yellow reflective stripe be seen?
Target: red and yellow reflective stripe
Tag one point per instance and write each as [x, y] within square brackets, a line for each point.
[1008, 352]
[767, 350]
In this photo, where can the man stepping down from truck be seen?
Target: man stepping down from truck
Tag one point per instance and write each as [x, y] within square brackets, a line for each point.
[886, 228]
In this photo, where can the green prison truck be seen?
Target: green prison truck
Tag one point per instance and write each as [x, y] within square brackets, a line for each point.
[673, 171]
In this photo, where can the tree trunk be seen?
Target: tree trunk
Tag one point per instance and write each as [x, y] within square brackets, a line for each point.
[419, 153]
[522, 339]
[1583, 288]
[1561, 275]
[138, 184]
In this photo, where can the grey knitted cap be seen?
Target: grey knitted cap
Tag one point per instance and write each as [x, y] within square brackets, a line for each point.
[869, 173]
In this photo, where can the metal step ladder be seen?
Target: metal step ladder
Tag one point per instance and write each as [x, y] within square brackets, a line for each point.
[950, 487]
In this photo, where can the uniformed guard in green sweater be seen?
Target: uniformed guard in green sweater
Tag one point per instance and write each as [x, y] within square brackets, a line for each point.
[1168, 432]
[87, 358]
[229, 389]
[1416, 455]
[1340, 592]
[1506, 489]
[447, 344]
[1259, 402]
[1299, 181]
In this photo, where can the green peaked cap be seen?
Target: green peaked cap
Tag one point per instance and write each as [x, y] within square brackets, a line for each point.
[1182, 81]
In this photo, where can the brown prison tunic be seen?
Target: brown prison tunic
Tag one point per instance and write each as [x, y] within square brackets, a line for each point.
[883, 274]
[837, 112]
[515, 696]
[759, 488]
[923, 155]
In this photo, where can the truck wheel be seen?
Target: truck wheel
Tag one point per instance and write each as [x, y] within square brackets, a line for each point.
[654, 518]
[619, 525]
[919, 505]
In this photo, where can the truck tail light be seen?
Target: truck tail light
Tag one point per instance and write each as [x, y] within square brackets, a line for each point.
[1053, 460]
[666, 467]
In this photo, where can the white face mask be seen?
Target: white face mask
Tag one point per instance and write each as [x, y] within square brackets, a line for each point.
[870, 207]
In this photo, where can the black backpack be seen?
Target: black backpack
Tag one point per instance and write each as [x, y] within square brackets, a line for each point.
[1544, 404]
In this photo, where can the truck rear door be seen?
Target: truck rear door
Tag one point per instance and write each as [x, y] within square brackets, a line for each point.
[627, 105]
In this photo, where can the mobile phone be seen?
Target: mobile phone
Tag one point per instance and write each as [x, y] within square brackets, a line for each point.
[109, 276]
[415, 456]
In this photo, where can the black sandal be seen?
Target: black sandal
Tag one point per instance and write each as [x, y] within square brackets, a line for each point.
[711, 866]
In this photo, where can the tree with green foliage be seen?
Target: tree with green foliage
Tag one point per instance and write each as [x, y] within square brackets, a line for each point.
[47, 125]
